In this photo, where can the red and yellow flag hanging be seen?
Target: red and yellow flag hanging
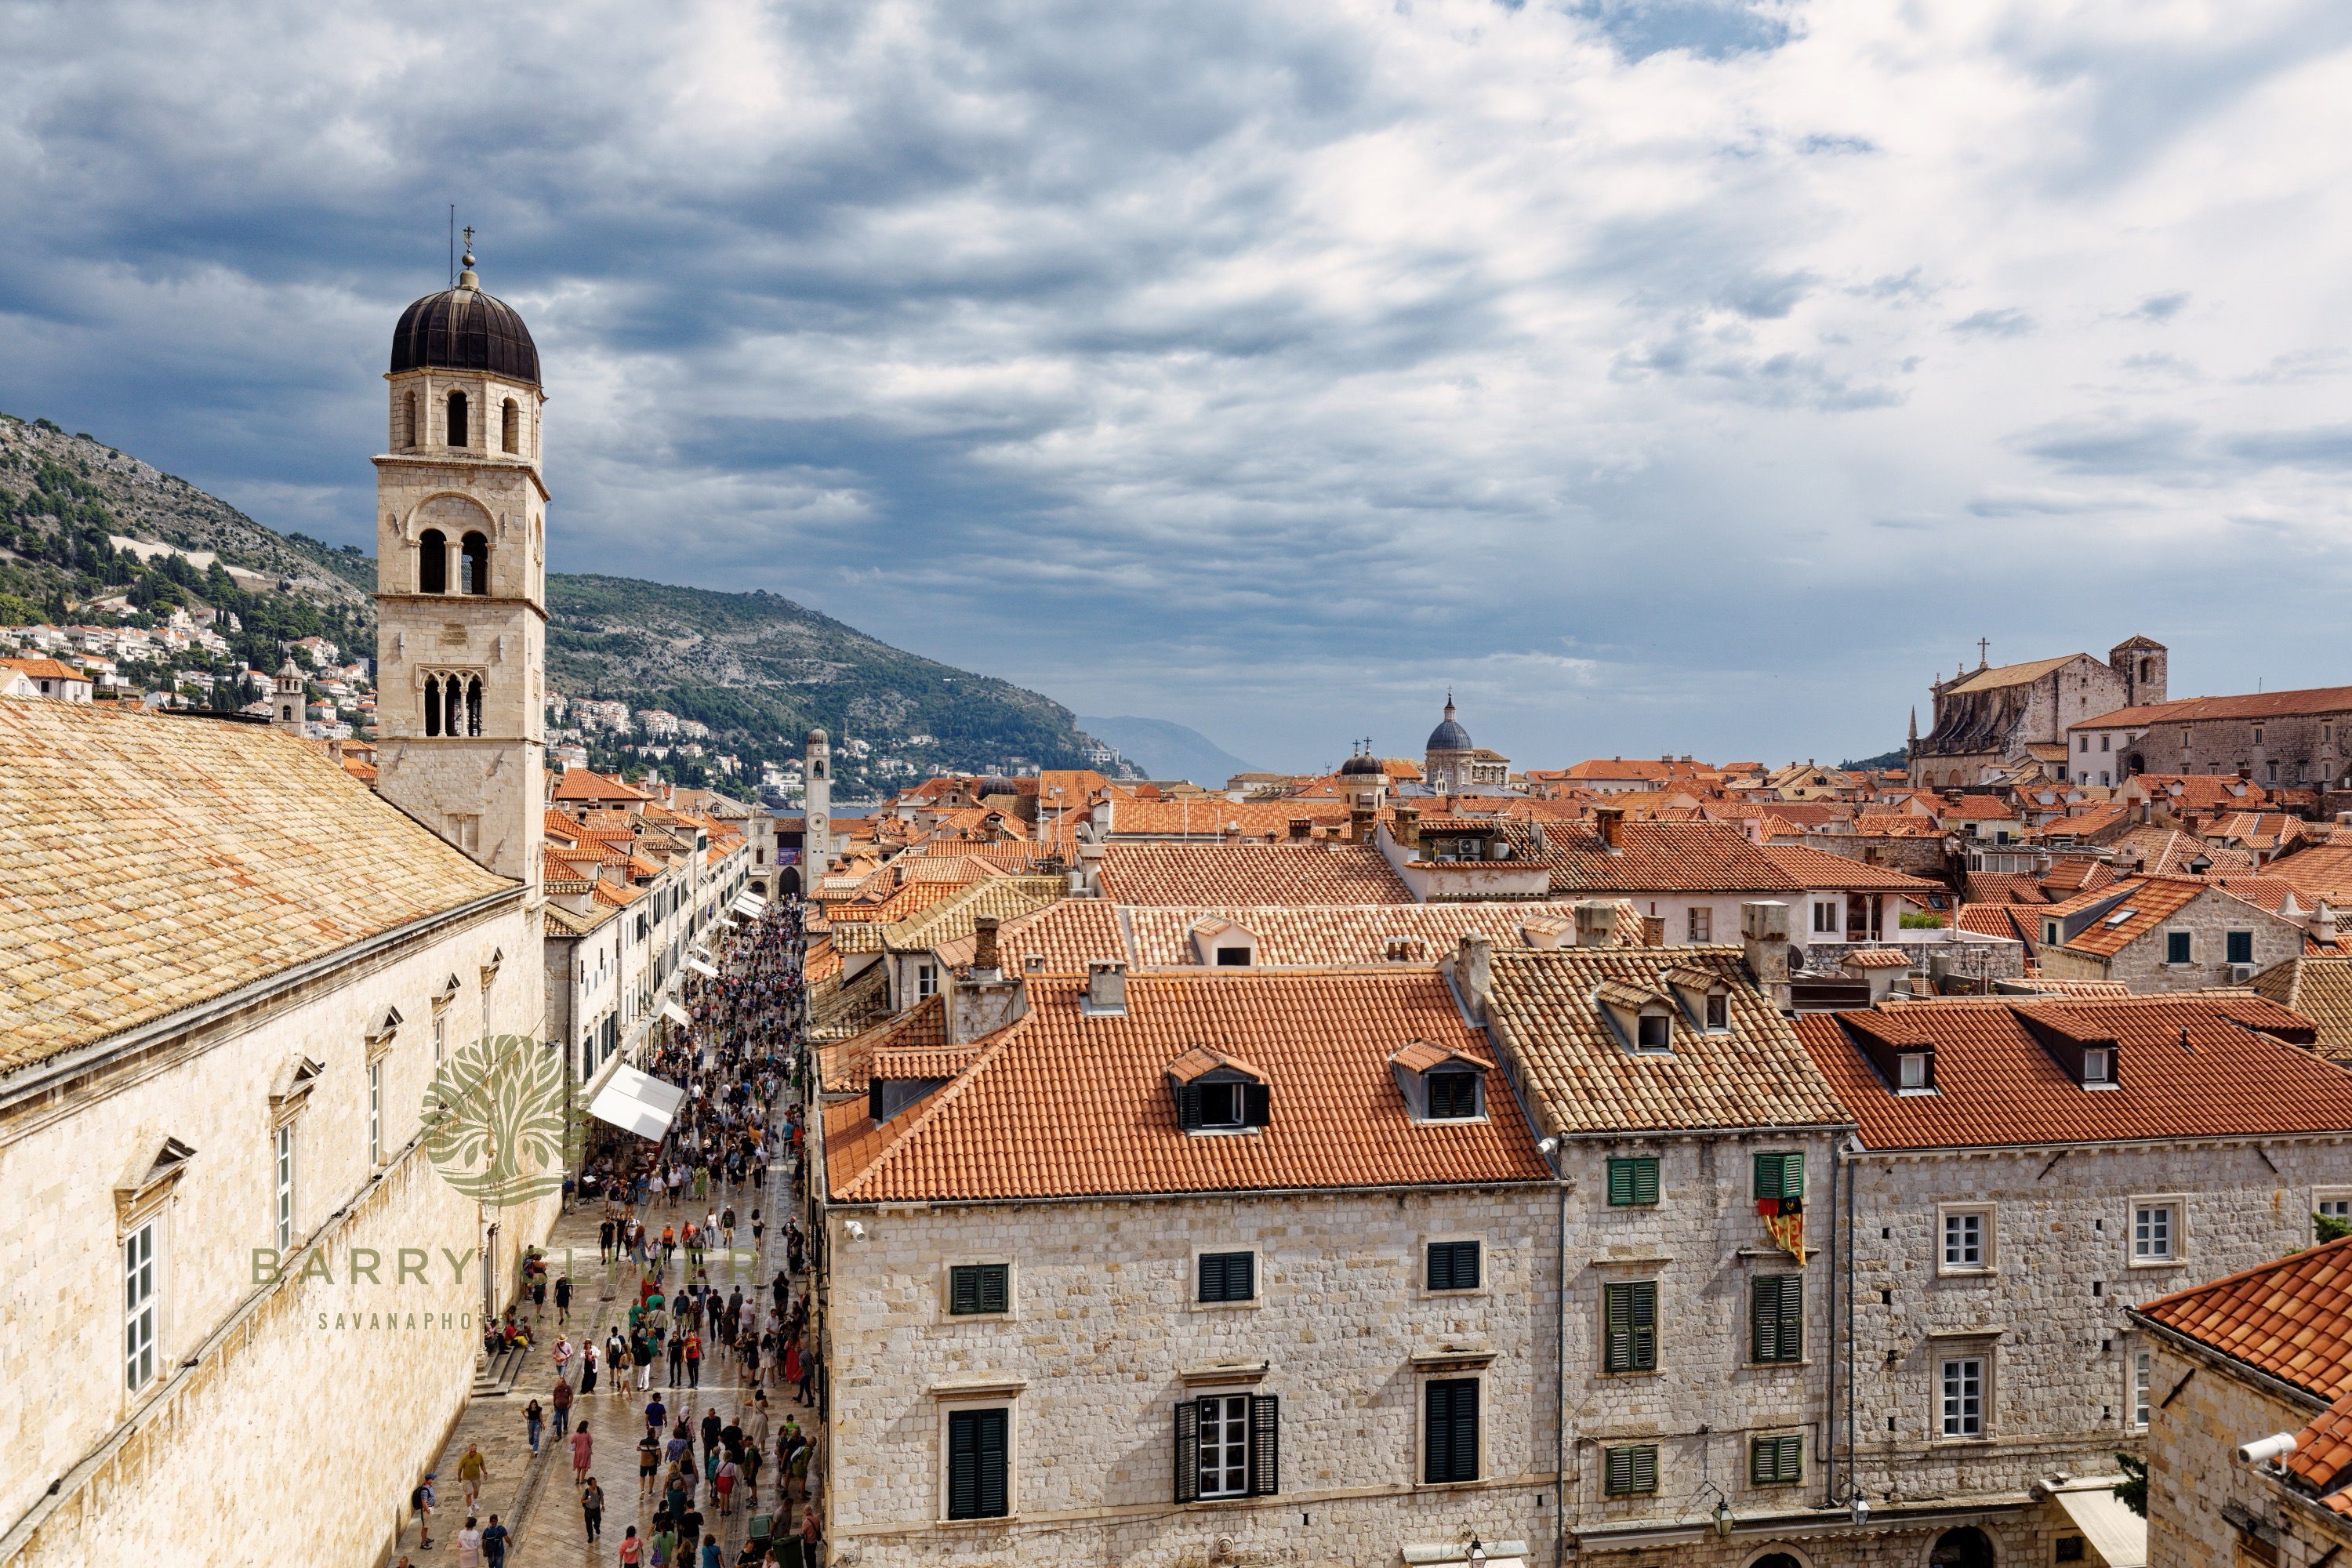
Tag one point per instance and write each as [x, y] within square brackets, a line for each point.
[1784, 1219]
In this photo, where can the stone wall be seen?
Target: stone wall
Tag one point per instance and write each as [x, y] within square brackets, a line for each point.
[1103, 1325]
[273, 1396]
[2201, 1501]
[2050, 1318]
[2208, 919]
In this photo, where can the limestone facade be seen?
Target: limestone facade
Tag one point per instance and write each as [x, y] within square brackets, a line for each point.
[2209, 920]
[1103, 1341]
[1987, 718]
[2203, 1505]
[222, 1412]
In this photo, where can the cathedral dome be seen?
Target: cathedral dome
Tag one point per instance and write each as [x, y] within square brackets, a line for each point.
[1361, 765]
[1449, 736]
[465, 329]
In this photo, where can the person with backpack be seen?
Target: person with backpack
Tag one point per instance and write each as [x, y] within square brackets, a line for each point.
[420, 1503]
[592, 1505]
[494, 1544]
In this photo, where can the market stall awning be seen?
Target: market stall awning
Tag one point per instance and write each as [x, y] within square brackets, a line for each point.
[706, 971]
[637, 1102]
[751, 904]
[678, 1014]
[2118, 1535]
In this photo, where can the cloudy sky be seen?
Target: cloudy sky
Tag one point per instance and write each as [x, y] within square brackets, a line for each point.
[1701, 375]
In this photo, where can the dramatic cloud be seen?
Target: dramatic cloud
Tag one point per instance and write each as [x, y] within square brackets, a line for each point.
[1665, 375]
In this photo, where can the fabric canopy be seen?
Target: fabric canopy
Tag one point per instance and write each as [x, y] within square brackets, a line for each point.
[2118, 1535]
[637, 1102]
[750, 904]
[706, 971]
[678, 1014]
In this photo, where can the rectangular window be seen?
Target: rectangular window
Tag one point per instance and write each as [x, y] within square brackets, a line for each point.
[2152, 1231]
[1775, 1461]
[1912, 1069]
[375, 1113]
[1825, 916]
[1631, 1472]
[1718, 1011]
[1449, 1442]
[2176, 947]
[2098, 1066]
[283, 1157]
[1224, 1445]
[1776, 1318]
[1634, 1183]
[927, 981]
[1232, 957]
[139, 1307]
[1779, 1176]
[1653, 1032]
[1963, 1396]
[976, 1464]
[2085, 744]
[2069, 1549]
[2140, 1369]
[1964, 1240]
[979, 1288]
[440, 1038]
[2240, 947]
[2050, 933]
[1228, 1276]
[1631, 1313]
[1453, 1096]
[1453, 1266]
[2103, 741]
[1702, 924]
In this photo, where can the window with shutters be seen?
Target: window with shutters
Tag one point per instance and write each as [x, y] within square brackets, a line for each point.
[979, 1288]
[1633, 1183]
[1228, 1446]
[1775, 1461]
[1450, 1430]
[1779, 1176]
[1223, 1103]
[2240, 946]
[979, 1463]
[1630, 1472]
[1453, 1265]
[1226, 1278]
[1776, 1318]
[1630, 1326]
[1453, 1096]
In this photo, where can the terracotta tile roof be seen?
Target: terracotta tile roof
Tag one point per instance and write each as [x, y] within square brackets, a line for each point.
[821, 961]
[1581, 1080]
[1818, 870]
[2322, 1461]
[2017, 921]
[1895, 825]
[2320, 870]
[1977, 808]
[847, 1068]
[1997, 1085]
[1209, 819]
[1984, 679]
[2162, 851]
[1654, 858]
[46, 669]
[2071, 875]
[1016, 857]
[952, 918]
[580, 784]
[2080, 987]
[1063, 938]
[1878, 958]
[1324, 936]
[2204, 791]
[2320, 988]
[2005, 887]
[253, 853]
[1059, 1105]
[2252, 705]
[1198, 875]
[2291, 1319]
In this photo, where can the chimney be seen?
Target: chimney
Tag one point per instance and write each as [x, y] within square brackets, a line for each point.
[1764, 932]
[1473, 973]
[1536, 839]
[2322, 925]
[984, 947]
[1106, 989]
[1302, 828]
[1612, 820]
[1405, 828]
[1596, 923]
[1360, 823]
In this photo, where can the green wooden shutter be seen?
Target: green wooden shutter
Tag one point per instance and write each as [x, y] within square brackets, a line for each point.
[1188, 1451]
[1265, 1445]
[976, 1470]
[992, 1456]
[1631, 1313]
[1630, 1470]
[1645, 1181]
[1450, 1437]
[1775, 1317]
[1774, 1460]
[1768, 1176]
[1620, 1182]
[1646, 1327]
[993, 1287]
[963, 1289]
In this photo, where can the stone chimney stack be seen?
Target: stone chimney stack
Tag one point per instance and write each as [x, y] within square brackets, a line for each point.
[984, 946]
[1302, 828]
[1612, 821]
[2322, 925]
[1764, 932]
[1596, 923]
[1361, 819]
[1474, 964]
[1405, 828]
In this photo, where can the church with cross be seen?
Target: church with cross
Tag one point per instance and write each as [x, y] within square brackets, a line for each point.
[1991, 722]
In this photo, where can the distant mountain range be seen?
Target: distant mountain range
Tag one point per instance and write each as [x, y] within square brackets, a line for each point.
[1167, 750]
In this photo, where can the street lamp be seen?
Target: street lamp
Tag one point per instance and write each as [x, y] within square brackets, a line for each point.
[1477, 1551]
[1858, 1511]
[1723, 1516]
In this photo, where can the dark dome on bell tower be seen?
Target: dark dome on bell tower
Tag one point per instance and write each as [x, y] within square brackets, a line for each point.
[465, 329]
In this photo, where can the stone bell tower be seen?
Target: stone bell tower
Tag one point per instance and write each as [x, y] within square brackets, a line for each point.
[461, 578]
[816, 838]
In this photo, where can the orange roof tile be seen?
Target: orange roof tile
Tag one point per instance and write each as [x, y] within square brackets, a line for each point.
[1818, 870]
[1061, 1105]
[1997, 1086]
[1196, 875]
[580, 784]
[2291, 1319]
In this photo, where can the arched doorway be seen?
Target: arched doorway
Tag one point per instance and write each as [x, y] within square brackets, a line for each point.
[1966, 1547]
[788, 882]
[1778, 1560]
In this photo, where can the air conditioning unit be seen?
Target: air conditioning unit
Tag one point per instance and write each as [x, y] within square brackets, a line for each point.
[2241, 972]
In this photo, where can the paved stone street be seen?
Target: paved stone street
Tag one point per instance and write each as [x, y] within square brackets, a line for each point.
[535, 1496]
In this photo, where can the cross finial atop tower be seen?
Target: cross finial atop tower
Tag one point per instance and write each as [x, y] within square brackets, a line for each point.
[1983, 644]
[466, 279]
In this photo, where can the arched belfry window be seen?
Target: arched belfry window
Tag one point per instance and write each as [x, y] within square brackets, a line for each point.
[474, 706]
[475, 566]
[432, 562]
[457, 420]
[510, 428]
[408, 421]
[433, 705]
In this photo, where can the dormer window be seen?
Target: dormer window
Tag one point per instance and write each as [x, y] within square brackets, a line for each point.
[1913, 1071]
[1718, 1011]
[1217, 1106]
[1642, 1019]
[1216, 1093]
[1654, 1032]
[1222, 944]
[1453, 1096]
[1441, 1085]
[1232, 957]
[1704, 996]
[2098, 1068]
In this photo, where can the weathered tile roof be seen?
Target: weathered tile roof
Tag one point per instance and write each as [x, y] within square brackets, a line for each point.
[1201, 875]
[952, 918]
[1581, 1080]
[1652, 858]
[1206, 819]
[1985, 677]
[1060, 1105]
[845, 1067]
[1997, 1085]
[580, 784]
[1063, 937]
[2291, 1319]
[2320, 988]
[1818, 870]
[147, 864]
[1352, 935]
[2250, 705]
[2022, 922]
[2321, 870]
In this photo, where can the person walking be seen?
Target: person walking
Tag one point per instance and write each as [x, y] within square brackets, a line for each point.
[561, 1355]
[564, 1300]
[470, 1544]
[533, 1417]
[470, 1472]
[656, 1414]
[632, 1550]
[649, 1451]
[494, 1544]
[587, 1367]
[604, 1240]
[711, 1556]
[592, 1505]
[583, 1448]
[693, 1359]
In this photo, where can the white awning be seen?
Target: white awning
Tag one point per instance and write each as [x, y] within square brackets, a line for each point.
[701, 968]
[2118, 1535]
[678, 1014]
[637, 1102]
[750, 904]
